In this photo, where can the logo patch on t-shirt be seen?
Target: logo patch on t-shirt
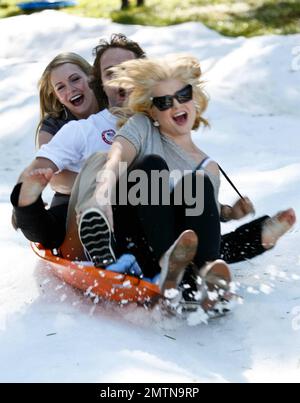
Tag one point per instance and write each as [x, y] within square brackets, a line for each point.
[108, 136]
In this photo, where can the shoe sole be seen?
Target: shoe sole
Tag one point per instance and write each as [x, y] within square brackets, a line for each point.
[217, 276]
[183, 253]
[96, 236]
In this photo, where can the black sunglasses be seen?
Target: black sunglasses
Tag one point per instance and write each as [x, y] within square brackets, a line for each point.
[166, 102]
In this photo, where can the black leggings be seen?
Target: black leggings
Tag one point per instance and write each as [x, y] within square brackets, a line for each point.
[38, 224]
[244, 243]
[148, 231]
[48, 227]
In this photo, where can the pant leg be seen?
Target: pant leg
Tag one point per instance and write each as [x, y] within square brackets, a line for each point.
[244, 243]
[156, 227]
[59, 199]
[158, 218]
[38, 224]
[82, 193]
[126, 224]
[145, 230]
[205, 224]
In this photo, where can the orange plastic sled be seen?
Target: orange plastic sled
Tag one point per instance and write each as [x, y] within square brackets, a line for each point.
[99, 282]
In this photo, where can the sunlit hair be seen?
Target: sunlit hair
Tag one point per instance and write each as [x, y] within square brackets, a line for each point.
[117, 41]
[49, 104]
[140, 76]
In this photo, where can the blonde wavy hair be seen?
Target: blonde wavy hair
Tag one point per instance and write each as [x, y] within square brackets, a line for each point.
[140, 76]
[49, 104]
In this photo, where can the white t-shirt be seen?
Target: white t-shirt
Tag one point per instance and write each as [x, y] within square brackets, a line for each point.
[75, 142]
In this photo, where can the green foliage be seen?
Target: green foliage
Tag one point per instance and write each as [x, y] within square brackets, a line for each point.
[8, 8]
[229, 17]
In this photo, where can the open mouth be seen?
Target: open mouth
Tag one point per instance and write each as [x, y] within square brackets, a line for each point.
[77, 100]
[122, 93]
[181, 118]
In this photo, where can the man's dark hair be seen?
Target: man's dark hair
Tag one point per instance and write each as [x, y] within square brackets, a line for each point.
[116, 41]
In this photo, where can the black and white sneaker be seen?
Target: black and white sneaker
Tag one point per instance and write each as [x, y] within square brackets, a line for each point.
[208, 288]
[193, 289]
[96, 236]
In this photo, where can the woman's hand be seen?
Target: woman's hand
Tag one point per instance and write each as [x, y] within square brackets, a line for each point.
[107, 178]
[241, 209]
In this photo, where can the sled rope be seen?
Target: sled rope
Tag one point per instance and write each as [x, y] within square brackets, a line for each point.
[231, 183]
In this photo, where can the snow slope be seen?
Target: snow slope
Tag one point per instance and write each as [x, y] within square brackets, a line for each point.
[50, 332]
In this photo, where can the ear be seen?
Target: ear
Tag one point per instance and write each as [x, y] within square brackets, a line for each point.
[152, 114]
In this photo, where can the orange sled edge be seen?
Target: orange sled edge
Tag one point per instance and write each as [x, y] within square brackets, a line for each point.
[105, 284]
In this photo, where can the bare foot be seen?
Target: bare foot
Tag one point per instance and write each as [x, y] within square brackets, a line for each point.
[275, 227]
[33, 183]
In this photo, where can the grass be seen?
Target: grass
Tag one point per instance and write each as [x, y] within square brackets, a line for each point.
[229, 17]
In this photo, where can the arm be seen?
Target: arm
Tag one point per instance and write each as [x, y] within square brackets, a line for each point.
[122, 151]
[64, 181]
[66, 148]
[48, 128]
[128, 144]
[43, 137]
[62, 149]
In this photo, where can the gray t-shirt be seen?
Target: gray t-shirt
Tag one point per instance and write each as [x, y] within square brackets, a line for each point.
[147, 140]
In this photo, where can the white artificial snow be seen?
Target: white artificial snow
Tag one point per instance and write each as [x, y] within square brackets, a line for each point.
[254, 89]
[197, 318]
[266, 289]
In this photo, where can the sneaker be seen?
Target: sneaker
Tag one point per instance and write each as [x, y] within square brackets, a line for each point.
[193, 289]
[204, 292]
[176, 259]
[96, 237]
[207, 288]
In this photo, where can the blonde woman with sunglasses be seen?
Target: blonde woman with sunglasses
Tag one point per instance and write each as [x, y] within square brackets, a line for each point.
[166, 102]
